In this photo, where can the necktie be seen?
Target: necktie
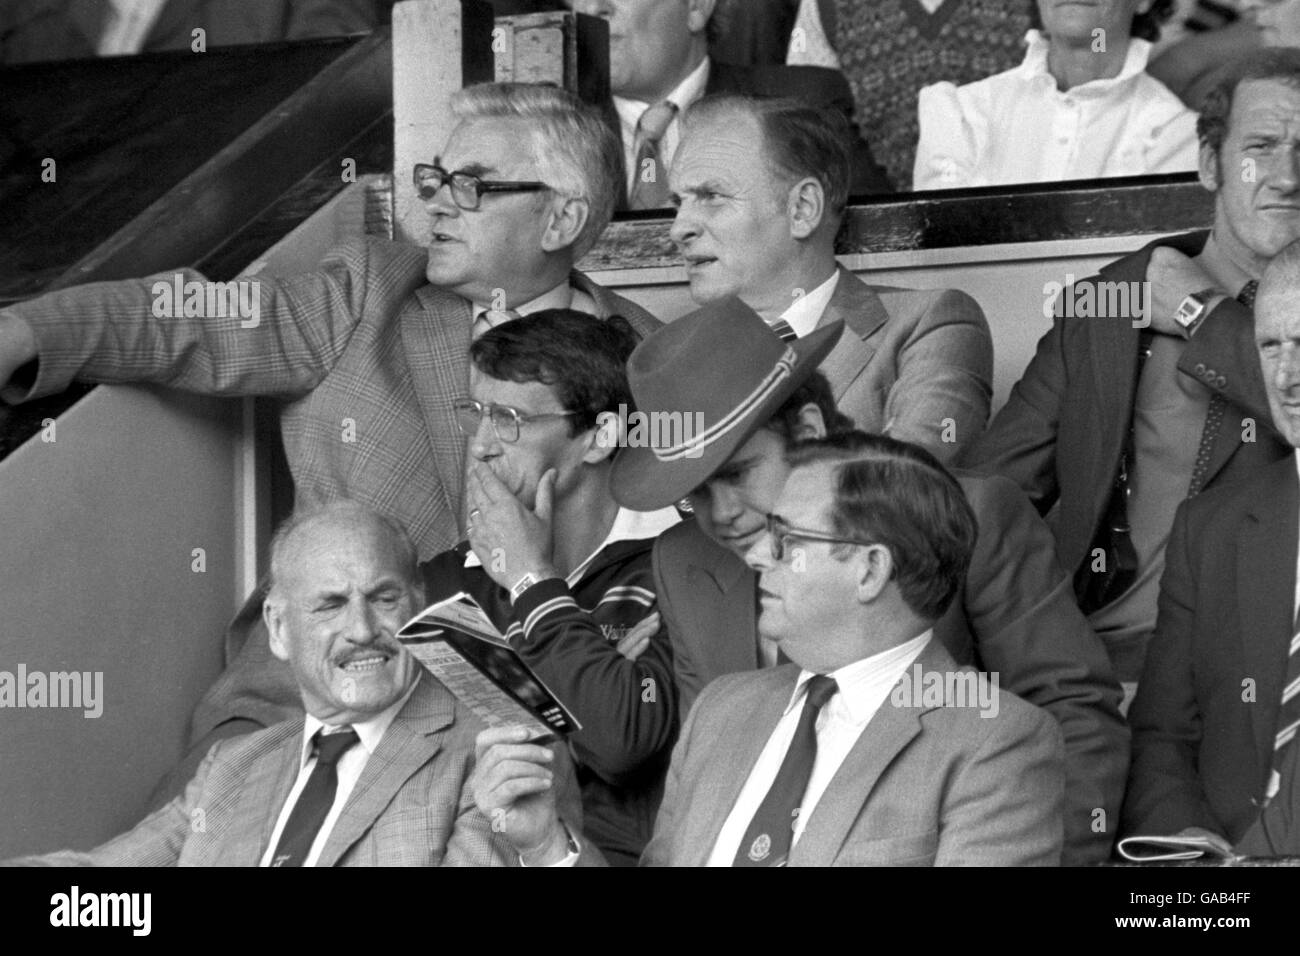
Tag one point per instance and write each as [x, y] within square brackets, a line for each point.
[782, 328]
[490, 319]
[649, 176]
[315, 800]
[770, 835]
[1288, 717]
[1214, 413]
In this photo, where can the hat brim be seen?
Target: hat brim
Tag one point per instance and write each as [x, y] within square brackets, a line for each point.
[641, 481]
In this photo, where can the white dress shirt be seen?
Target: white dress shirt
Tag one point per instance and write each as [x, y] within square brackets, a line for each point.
[629, 114]
[863, 687]
[350, 766]
[1017, 127]
[806, 311]
[563, 296]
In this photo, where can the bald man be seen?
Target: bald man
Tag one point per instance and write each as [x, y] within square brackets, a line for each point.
[1218, 706]
[376, 773]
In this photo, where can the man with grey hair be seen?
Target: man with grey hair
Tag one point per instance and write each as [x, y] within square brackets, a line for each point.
[370, 351]
[761, 187]
[378, 771]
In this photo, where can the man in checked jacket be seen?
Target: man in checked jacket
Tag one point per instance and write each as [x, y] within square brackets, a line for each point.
[370, 351]
[558, 566]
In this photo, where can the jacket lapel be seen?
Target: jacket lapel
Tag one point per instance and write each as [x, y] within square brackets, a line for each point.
[411, 741]
[730, 595]
[1266, 570]
[886, 734]
[436, 328]
[261, 798]
[864, 314]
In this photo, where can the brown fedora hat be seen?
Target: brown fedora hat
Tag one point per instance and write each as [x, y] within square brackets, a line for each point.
[702, 385]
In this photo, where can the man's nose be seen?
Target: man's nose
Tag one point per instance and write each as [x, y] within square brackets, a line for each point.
[1284, 170]
[440, 203]
[685, 228]
[759, 555]
[1287, 374]
[724, 505]
[483, 445]
[362, 624]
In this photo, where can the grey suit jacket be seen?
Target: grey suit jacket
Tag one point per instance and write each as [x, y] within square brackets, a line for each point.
[913, 364]
[923, 785]
[412, 805]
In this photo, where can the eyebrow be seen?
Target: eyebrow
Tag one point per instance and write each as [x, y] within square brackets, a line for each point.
[474, 169]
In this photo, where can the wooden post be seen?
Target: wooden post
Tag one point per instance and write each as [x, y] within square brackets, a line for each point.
[439, 46]
[567, 49]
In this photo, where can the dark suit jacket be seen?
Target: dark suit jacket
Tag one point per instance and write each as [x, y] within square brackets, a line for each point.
[1206, 709]
[1016, 615]
[1062, 431]
[923, 785]
[412, 806]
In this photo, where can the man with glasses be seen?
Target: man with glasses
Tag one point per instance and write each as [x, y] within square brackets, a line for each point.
[1014, 614]
[841, 756]
[369, 351]
[558, 566]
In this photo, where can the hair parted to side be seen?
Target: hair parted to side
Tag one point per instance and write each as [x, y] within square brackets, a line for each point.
[1271, 63]
[815, 390]
[580, 356]
[898, 495]
[578, 154]
[801, 141]
[408, 556]
[1146, 26]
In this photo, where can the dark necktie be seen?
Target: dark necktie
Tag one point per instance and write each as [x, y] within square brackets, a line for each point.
[649, 175]
[490, 319]
[782, 328]
[315, 800]
[770, 835]
[1214, 413]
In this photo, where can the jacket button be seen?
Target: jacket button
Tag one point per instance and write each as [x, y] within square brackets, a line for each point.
[1200, 368]
[1220, 381]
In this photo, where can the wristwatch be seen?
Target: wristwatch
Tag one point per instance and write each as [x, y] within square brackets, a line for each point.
[520, 586]
[1192, 310]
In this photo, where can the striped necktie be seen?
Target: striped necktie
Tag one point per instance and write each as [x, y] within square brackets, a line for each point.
[649, 175]
[1214, 413]
[782, 328]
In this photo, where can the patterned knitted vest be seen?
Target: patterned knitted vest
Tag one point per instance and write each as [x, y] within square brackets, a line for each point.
[889, 49]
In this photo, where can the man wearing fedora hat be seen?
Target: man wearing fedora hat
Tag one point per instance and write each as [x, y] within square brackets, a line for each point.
[837, 758]
[762, 186]
[1014, 614]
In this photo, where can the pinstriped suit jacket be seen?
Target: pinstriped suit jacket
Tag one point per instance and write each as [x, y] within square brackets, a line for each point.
[908, 360]
[412, 805]
[368, 354]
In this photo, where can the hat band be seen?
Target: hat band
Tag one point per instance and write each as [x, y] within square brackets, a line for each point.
[694, 446]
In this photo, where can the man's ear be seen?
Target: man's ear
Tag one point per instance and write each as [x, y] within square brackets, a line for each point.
[806, 207]
[606, 438]
[273, 617]
[699, 12]
[875, 568]
[567, 219]
[1207, 167]
[811, 424]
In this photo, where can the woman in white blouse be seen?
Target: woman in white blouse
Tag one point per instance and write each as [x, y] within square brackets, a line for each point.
[1080, 106]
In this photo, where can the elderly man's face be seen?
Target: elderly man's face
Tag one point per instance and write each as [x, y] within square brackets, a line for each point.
[1257, 209]
[649, 42]
[334, 616]
[806, 596]
[1277, 335]
[474, 253]
[732, 227]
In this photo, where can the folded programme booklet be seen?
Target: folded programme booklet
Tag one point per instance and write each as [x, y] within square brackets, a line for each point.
[1157, 849]
[458, 644]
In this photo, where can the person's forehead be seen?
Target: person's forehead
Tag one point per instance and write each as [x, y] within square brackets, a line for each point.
[729, 148]
[808, 494]
[492, 142]
[340, 555]
[525, 396]
[1262, 103]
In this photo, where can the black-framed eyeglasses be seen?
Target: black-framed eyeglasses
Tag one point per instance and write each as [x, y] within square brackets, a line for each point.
[505, 420]
[779, 533]
[466, 189]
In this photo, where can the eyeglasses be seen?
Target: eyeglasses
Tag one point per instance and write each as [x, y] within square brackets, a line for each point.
[779, 534]
[505, 420]
[466, 189]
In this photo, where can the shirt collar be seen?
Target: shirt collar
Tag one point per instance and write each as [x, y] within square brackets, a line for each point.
[806, 311]
[684, 94]
[628, 526]
[563, 296]
[1035, 64]
[370, 731]
[855, 681]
